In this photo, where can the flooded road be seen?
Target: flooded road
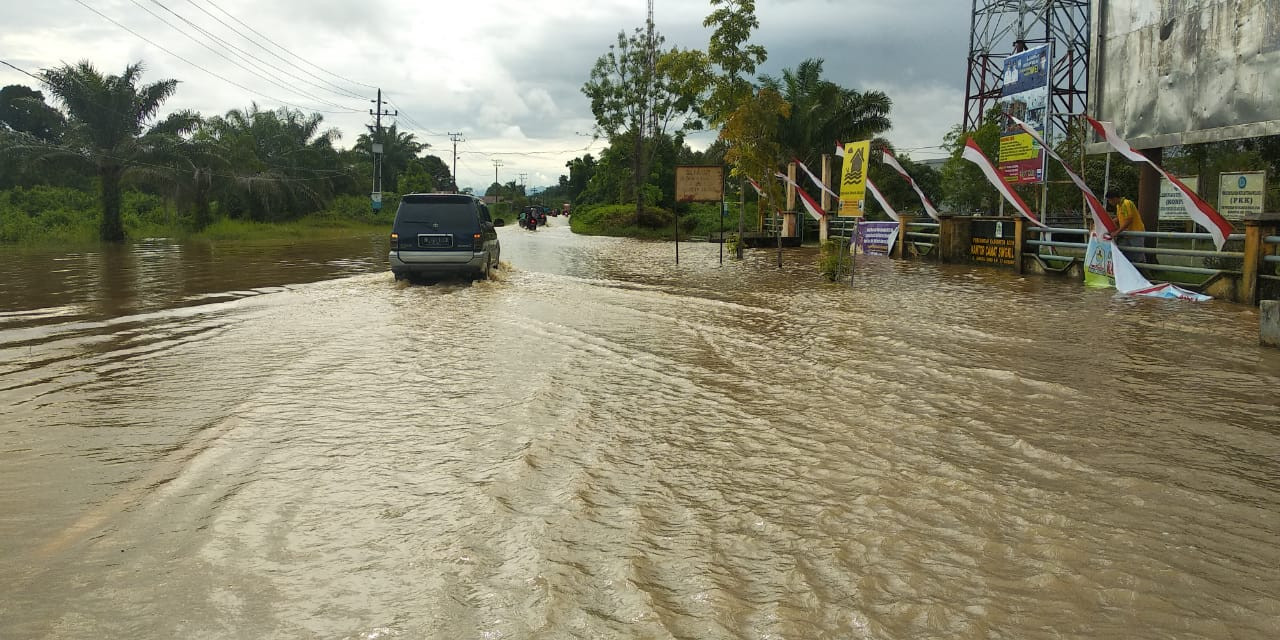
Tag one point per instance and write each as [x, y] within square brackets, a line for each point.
[284, 442]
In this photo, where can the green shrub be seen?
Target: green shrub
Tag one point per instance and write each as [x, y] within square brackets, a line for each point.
[832, 258]
[731, 243]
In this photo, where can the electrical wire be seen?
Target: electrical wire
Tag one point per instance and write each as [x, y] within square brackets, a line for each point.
[220, 77]
[246, 56]
[324, 174]
[278, 46]
[336, 88]
[275, 81]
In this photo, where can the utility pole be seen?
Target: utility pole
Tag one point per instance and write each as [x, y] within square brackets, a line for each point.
[377, 113]
[456, 138]
[497, 194]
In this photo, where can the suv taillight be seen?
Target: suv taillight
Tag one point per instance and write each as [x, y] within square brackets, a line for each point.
[395, 241]
[477, 242]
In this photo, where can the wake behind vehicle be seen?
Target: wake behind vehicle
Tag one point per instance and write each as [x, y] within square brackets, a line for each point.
[437, 235]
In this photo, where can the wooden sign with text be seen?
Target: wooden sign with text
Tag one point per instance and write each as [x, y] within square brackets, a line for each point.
[699, 183]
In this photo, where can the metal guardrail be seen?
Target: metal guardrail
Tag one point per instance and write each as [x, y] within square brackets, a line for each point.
[917, 233]
[1271, 258]
[1052, 244]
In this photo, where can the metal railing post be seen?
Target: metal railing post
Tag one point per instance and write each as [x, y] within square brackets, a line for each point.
[904, 222]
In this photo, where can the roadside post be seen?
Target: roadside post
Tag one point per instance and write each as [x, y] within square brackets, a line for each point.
[699, 183]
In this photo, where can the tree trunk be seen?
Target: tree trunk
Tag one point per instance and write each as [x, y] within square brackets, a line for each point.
[111, 228]
[204, 216]
[742, 212]
[636, 179]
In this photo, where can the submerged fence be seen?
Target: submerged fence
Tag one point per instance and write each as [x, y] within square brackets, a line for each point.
[1247, 269]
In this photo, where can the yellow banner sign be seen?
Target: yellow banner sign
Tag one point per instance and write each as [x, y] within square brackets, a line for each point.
[1018, 147]
[853, 180]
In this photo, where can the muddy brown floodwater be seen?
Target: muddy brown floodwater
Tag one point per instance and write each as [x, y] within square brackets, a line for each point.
[283, 442]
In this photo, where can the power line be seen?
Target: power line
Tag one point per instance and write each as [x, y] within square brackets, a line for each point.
[336, 88]
[220, 77]
[327, 173]
[411, 120]
[278, 46]
[245, 55]
[274, 81]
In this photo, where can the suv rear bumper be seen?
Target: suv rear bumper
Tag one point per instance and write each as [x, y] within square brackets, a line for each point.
[437, 262]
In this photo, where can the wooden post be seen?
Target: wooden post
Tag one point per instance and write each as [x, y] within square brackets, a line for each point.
[902, 235]
[791, 191]
[954, 236]
[1019, 241]
[824, 225]
[1256, 228]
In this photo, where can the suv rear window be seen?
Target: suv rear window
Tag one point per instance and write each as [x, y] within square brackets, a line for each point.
[446, 214]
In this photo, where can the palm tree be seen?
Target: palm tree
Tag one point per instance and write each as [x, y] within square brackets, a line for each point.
[823, 112]
[399, 148]
[107, 116]
[281, 163]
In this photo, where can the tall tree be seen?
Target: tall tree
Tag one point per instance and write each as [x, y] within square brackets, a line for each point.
[108, 116]
[752, 133]
[399, 148]
[580, 172]
[823, 112]
[729, 51]
[638, 92]
[283, 162]
[23, 110]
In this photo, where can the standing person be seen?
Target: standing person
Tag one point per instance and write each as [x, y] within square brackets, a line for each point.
[1127, 219]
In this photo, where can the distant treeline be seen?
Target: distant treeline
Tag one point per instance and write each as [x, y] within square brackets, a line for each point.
[96, 152]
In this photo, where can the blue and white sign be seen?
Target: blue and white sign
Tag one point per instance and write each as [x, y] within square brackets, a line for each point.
[1240, 194]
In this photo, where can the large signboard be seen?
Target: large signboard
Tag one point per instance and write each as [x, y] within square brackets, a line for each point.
[853, 178]
[1025, 96]
[1240, 194]
[699, 183]
[1171, 205]
[1171, 73]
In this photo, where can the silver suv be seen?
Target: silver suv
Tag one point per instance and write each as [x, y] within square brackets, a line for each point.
[437, 235]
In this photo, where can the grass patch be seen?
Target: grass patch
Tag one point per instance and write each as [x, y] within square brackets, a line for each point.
[619, 220]
[45, 216]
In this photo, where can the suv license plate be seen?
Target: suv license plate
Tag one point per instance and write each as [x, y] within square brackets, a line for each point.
[435, 241]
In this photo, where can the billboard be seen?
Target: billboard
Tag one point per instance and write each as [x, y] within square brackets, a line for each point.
[1187, 71]
[1025, 96]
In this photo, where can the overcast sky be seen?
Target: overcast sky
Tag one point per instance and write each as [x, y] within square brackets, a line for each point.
[507, 74]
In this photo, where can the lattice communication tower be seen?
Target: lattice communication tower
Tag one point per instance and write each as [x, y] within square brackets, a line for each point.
[1003, 27]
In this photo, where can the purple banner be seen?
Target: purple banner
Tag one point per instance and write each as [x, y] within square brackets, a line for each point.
[877, 238]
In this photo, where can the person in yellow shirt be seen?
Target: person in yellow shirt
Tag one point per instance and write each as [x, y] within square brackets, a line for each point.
[1127, 219]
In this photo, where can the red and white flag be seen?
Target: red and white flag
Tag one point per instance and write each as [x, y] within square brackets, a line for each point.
[875, 193]
[815, 179]
[810, 205]
[1100, 218]
[974, 154]
[1197, 208]
[888, 159]
[839, 149]
[755, 185]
